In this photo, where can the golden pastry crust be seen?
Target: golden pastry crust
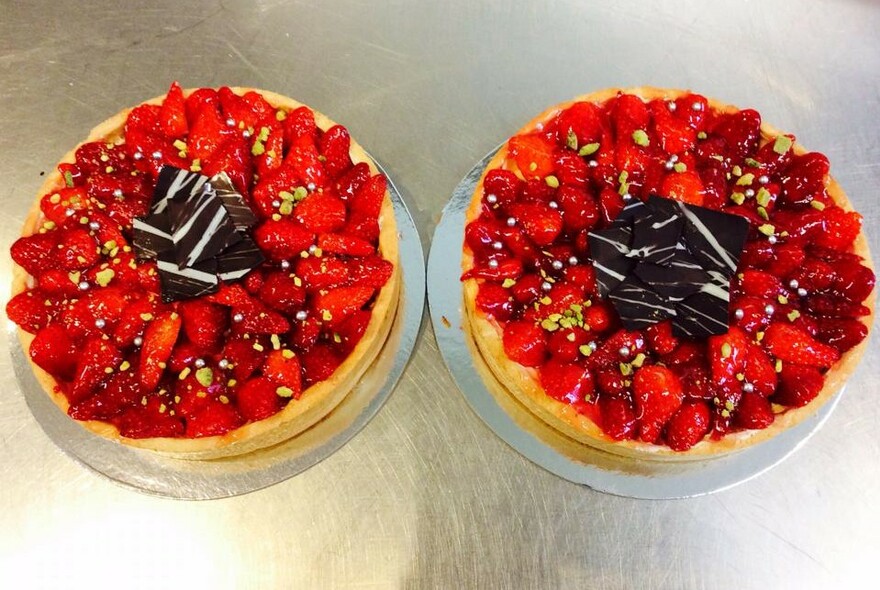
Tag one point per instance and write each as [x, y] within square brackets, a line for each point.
[485, 334]
[316, 401]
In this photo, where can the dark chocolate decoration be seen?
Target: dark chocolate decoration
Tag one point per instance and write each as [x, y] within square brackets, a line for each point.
[197, 231]
[664, 259]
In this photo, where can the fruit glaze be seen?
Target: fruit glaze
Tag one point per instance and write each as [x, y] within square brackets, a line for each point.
[128, 345]
[796, 300]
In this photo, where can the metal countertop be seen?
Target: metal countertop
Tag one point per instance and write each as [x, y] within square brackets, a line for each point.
[426, 496]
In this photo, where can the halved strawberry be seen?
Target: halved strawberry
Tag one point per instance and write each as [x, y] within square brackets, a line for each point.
[159, 339]
[352, 181]
[334, 306]
[172, 115]
[688, 426]
[257, 399]
[259, 319]
[753, 411]
[658, 394]
[214, 419]
[791, 344]
[199, 99]
[36, 253]
[541, 223]
[373, 271]
[82, 317]
[841, 228]
[741, 130]
[119, 393]
[579, 210]
[321, 213]
[96, 362]
[267, 147]
[280, 292]
[352, 330]
[304, 160]
[628, 114]
[207, 133]
[583, 120]
[282, 367]
[686, 187]
[326, 272]
[503, 185]
[305, 332]
[799, 385]
[283, 239]
[203, 323]
[618, 417]
[337, 243]
[566, 381]
[299, 123]
[244, 358]
[533, 155]
[56, 204]
[727, 357]
[54, 351]
[367, 201]
[233, 157]
[525, 343]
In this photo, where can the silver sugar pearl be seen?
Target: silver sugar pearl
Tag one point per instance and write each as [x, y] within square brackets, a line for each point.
[237, 317]
[285, 265]
[802, 292]
[593, 163]
[138, 155]
[511, 222]
[553, 205]
[69, 212]
[557, 264]
[246, 133]
[302, 315]
[763, 179]
[793, 283]
[593, 346]
[313, 248]
[83, 286]
[491, 199]
[223, 363]
[697, 106]
[493, 263]
[769, 309]
[750, 192]
[276, 203]
[94, 225]
[99, 323]
[138, 341]
[545, 286]
[497, 245]
[199, 363]
[117, 192]
[739, 314]
[669, 165]
[572, 260]
[623, 351]
[672, 106]
[156, 155]
[626, 196]
[673, 158]
[772, 239]
[748, 388]
[230, 122]
[311, 186]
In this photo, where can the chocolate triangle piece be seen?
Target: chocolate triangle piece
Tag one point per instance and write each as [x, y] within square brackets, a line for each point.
[151, 235]
[656, 235]
[173, 182]
[609, 248]
[200, 228]
[715, 238]
[241, 215]
[638, 305]
[239, 260]
[675, 284]
[701, 315]
[188, 282]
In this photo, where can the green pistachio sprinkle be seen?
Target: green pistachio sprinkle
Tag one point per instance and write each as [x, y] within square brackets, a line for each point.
[549, 325]
[737, 171]
[205, 376]
[738, 198]
[258, 148]
[782, 299]
[104, 277]
[702, 135]
[763, 197]
[184, 373]
[745, 179]
[778, 366]
[552, 181]
[571, 140]
[680, 167]
[782, 144]
[508, 283]
[752, 163]
[68, 179]
[793, 315]
[639, 360]
[284, 391]
[287, 353]
[726, 350]
[763, 213]
[767, 229]
[585, 349]
[626, 369]
[589, 149]
[286, 208]
[818, 205]
[640, 138]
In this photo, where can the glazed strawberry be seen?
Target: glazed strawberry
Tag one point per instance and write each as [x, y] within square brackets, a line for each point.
[790, 344]
[658, 394]
[539, 222]
[280, 292]
[215, 419]
[842, 334]
[321, 213]
[119, 393]
[96, 363]
[207, 134]
[29, 310]
[258, 319]
[367, 201]
[98, 310]
[804, 179]
[533, 155]
[245, 359]
[319, 364]
[334, 146]
[740, 131]
[565, 344]
[54, 351]
[299, 122]
[799, 385]
[566, 381]
[283, 368]
[159, 339]
[753, 411]
[283, 239]
[660, 338]
[500, 187]
[352, 330]
[317, 274]
[267, 147]
[579, 210]
[352, 181]
[152, 420]
[612, 383]
[688, 426]
[727, 357]
[524, 343]
[234, 158]
[344, 244]
[756, 283]
[685, 187]
[841, 228]
[495, 301]
[304, 160]
[583, 121]
[203, 323]
[305, 333]
[610, 204]
[853, 281]
[629, 114]
[258, 399]
[618, 417]
[184, 355]
[172, 115]
[337, 304]
[36, 253]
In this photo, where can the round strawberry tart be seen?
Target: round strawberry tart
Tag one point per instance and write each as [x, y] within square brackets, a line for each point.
[209, 273]
[660, 275]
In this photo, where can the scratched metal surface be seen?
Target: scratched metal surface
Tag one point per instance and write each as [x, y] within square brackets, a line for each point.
[426, 496]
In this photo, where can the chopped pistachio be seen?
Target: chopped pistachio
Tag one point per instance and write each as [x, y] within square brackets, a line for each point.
[585, 349]
[763, 197]
[184, 373]
[737, 171]
[640, 138]
[125, 366]
[287, 353]
[782, 144]
[767, 229]
[753, 163]
[626, 369]
[726, 350]
[818, 205]
[762, 213]
[68, 179]
[146, 317]
[702, 135]
[552, 181]
[745, 179]
[508, 283]
[284, 391]
[549, 325]
[680, 167]
[738, 198]
[286, 208]
[589, 149]
[205, 376]
[639, 360]
[778, 366]
[571, 140]
[793, 315]
[276, 342]
[103, 277]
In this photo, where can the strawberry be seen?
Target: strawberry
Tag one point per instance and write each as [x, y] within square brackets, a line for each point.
[305, 333]
[658, 394]
[564, 344]
[54, 351]
[95, 358]
[834, 307]
[321, 213]
[283, 239]
[804, 178]
[152, 420]
[56, 204]
[618, 417]
[36, 253]
[352, 330]
[799, 385]
[280, 292]
[259, 319]
[696, 382]
[199, 99]
[184, 355]
[172, 114]
[683, 186]
[660, 338]
[60, 283]
[610, 204]
[299, 123]
[337, 304]
[688, 426]
[71, 174]
[257, 399]
[319, 364]
[609, 352]
[334, 146]
[759, 371]
[265, 196]
[159, 339]
[629, 114]
[304, 160]
[253, 282]
[233, 157]
[203, 323]
[612, 383]
[841, 228]
[368, 200]
[245, 359]
[524, 343]
[495, 301]
[675, 136]
[317, 274]
[727, 357]
[503, 185]
[583, 276]
[756, 283]
[120, 392]
[533, 155]
[579, 210]
[351, 181]
[842, 334]
[334, 243]
[565, 381]
[214, 419]
[107, 304]
[741, 130]
[853, 281]
[259, 106]
[753, 411]
[29, 311]
[283, 368]
[232, 295]
[791, 344]
[539, 222]
[207, 133]
[363, 226]
[583, 120]
[267, 147]
[372, 271]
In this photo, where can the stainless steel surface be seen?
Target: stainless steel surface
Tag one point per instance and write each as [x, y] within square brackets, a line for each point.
[205, 480]
[427, 496]
[542, 444]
